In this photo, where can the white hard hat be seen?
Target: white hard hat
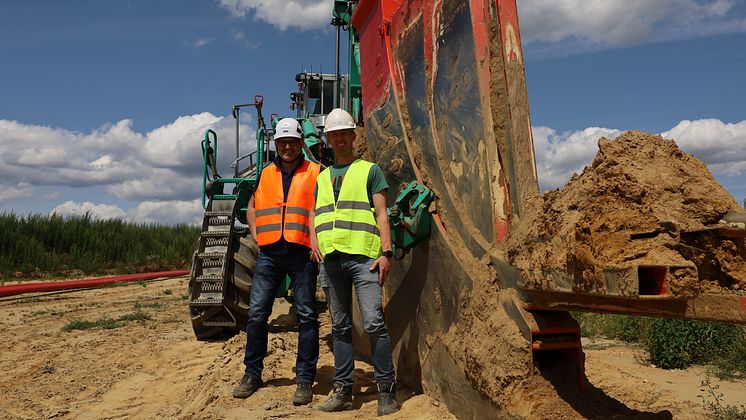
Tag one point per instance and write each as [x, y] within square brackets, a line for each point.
[338, 119]
[288, 127]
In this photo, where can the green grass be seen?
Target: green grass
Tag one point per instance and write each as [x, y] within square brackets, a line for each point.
[106, 323]
[168, 292]
[716, 408]
[620, 327]
[139, 305]
[676, 344]
[38, 245]
[673, 343]
[137, 316]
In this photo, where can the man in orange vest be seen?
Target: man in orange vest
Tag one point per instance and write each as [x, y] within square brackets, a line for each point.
[277, 215]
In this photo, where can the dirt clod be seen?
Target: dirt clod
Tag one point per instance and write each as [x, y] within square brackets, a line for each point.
[637, 204]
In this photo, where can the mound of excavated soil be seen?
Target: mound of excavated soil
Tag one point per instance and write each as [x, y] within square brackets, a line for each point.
[636, 183]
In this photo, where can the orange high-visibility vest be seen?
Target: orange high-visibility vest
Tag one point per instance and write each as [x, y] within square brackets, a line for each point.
[270, 206]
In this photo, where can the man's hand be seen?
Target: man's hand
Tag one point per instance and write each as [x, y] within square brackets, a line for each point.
[315, 251]
[383, 264]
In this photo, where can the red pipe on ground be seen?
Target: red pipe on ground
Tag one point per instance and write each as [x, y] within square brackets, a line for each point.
[17, 289]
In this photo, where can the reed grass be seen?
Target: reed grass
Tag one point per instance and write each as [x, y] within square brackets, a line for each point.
[46, 245]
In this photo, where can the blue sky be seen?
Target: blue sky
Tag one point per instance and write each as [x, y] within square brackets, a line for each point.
[102, 103]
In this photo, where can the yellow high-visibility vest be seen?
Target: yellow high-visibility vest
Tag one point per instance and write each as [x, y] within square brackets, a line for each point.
[349, 225]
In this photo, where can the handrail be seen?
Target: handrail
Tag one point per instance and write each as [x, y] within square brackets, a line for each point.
[208, 150]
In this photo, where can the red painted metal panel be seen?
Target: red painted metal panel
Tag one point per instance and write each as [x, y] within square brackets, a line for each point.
[362, 12]
[482, 48]
[17, 289]
[539, 346]
[365, 8]
[495, 36]
[374, 69]
[509, 30]
[389, 7]
[400, 21]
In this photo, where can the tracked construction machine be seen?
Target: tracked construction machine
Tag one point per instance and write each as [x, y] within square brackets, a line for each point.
[225, 255]
[439, 88]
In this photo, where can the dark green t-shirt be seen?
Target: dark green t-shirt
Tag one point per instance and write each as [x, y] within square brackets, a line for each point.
[376, 181]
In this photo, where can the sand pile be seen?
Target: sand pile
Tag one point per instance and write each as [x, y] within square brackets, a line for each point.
[632, 207]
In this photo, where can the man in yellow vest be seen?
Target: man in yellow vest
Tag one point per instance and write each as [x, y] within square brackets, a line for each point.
[278, 216]
[352, 240]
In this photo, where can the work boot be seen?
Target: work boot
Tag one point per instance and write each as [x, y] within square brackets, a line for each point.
[303, 394]
[386, 398]
[247, 386]
[341, 399]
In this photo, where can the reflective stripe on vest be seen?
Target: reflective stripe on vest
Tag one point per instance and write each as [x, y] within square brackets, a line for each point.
[349, 225]
[270, 209]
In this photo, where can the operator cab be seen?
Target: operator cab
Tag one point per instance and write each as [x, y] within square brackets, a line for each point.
[315, 96]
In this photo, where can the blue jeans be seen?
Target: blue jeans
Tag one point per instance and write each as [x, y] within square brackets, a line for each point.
[270, 271]
[340, 272]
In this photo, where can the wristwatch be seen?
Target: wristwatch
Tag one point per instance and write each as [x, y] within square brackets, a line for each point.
[388, 253]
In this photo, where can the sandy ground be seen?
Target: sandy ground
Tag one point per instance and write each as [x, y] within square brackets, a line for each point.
[154, 368]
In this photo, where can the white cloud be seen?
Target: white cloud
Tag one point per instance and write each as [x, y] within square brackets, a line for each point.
[241, 38]
[199, 43]
[97, 211]
[10, 192]
[582, 24]
[559, 155]
[162, 212]
[302, 14]
[553, 27]
[102, 162]
[237, 35]
[177, 144]
[715, 142]
[167, 212]
[165, 162]
[161, 166]
[720, 145]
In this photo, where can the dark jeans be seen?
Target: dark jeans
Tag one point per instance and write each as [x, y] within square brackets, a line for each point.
[340, 272]
[270, 271]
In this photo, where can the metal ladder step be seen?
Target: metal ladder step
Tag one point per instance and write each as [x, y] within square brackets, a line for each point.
[216, 242]
[218, 221]
[211, 255]
[210, 287]
[209, 277]
[218, 214]
[216, 234]
[211, 263]
[206, 302]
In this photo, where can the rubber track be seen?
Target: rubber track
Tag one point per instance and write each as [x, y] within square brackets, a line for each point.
[17, 289]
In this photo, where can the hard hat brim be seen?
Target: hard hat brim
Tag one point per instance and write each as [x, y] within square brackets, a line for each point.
[330, 129]
[288, 137]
